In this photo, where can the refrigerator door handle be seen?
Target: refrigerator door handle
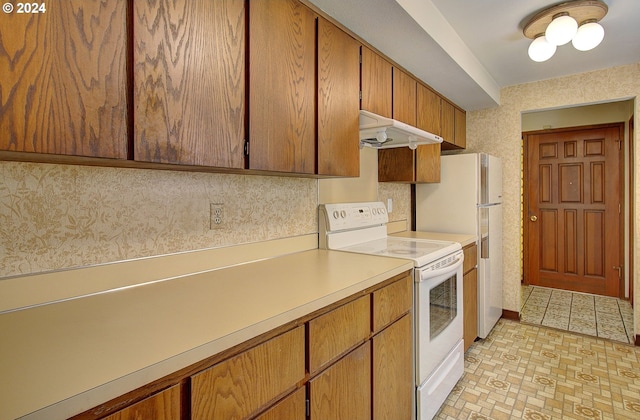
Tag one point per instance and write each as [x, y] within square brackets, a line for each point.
[484, 232]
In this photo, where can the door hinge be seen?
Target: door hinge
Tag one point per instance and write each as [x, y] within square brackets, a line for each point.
[246, 148]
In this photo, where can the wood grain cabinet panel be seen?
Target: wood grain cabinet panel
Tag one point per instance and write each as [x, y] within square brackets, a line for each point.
[164, 405]
[429, 106]
[332, 334]
[189, 82]
[404, 97]
[460, 121]
[393, 371]
[391, 302]
[282, 86]
[343, 391]
[64, 80]
[377, 79]
[338, 101]
[454, 127]
[470, 295]
[293, 407]
[239, 387]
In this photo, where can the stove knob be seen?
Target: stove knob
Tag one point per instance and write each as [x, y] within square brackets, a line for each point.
[335, 214]
[343, 214]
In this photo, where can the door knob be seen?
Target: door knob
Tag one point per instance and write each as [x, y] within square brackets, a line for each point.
[533, 218]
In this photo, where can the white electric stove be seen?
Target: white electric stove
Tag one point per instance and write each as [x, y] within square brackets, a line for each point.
[439, 349]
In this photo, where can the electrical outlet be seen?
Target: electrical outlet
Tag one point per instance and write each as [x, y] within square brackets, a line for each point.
[217, 216]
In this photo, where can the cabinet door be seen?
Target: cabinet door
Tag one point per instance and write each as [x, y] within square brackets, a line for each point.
[428, 163]
[334, 333]
[64, 79]
[460, 120]
[338, 101]
[242, 385]
[164, 405]
[390, 302]
[393, 386]
[376, 83]
[396, 165]
[429, 105]
[404, 97]
[282, 86]
[343, 391]
[448, 122]
[470, 307]
[293, 407]
[189, 82]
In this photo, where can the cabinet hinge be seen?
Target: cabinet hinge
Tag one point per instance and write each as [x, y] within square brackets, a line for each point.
[360, 95]
[308, 407]
[360, 58]
[246, 147]
[619, 144]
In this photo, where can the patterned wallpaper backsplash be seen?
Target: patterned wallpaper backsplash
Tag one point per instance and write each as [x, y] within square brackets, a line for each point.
[498, 131]
[61, 216]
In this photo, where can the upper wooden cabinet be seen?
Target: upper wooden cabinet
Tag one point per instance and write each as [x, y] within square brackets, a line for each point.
[412, 105]
[189, 82]
[64, 80]
[454, 126]
[404, 97]
[338, 101]
[282, 87]
[429, 105]
[376, 83]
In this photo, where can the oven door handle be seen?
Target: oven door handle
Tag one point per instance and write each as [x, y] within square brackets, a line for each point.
[449, 268]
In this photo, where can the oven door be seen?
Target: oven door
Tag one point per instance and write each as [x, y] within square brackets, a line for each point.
[438, 313]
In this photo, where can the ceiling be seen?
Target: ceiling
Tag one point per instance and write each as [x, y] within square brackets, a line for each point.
[468, 49]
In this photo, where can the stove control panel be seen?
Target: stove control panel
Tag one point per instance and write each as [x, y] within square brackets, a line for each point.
[343, 216]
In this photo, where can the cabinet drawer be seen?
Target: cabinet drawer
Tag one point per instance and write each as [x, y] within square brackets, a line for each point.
[470, 258]
[164, 405]
[293, 407]
[240, 386]
[333, 333]
[390, 302]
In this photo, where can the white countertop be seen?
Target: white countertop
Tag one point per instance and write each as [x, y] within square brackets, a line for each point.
[462, 239]
[59, 359]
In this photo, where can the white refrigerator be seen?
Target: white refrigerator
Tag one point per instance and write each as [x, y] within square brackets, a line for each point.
[468, 200]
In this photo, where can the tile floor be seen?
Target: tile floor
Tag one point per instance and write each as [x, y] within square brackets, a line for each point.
[599, 316]
[523, 371]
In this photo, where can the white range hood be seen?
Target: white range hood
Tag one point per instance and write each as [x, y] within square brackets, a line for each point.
[384, 133]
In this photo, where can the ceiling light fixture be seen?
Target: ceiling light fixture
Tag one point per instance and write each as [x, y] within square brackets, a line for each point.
[575, 21]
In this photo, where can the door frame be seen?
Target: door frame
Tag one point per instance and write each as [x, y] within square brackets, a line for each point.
[625, 248]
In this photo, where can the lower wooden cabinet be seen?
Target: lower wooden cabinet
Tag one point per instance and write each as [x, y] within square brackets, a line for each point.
[393, 371]
[343, 391]
[239, 387]
[351, 360]
[164, 405]
[470, 295]
[293, 407]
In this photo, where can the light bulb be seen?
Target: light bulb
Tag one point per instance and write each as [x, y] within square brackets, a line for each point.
[413, 145]
[589, 36]
[540, 50]
[561, 30]
[381, 136]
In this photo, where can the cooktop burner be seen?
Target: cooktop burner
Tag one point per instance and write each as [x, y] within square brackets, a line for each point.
[422, 251]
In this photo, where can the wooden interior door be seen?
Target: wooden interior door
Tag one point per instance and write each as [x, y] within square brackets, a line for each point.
[572, 223]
